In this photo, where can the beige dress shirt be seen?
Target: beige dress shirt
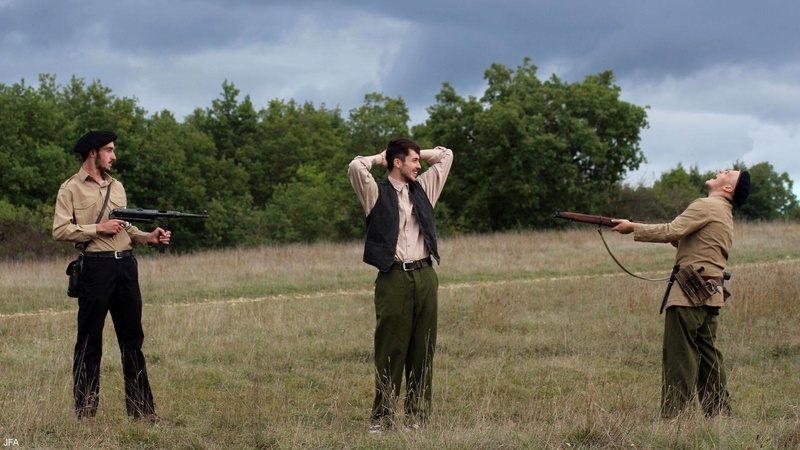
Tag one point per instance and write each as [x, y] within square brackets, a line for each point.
[704, 232]
[410, 240]
[77, 206]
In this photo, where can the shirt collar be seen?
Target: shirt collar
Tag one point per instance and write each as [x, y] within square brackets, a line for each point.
[721, 199]
[84, 176]
[398, 185]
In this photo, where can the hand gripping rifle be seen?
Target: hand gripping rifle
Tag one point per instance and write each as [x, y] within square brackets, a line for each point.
[152, 215]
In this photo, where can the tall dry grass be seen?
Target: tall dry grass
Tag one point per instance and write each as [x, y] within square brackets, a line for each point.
[543, 343]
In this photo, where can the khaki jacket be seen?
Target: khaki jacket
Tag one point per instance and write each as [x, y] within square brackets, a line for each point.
[704, 233]
[77, 206]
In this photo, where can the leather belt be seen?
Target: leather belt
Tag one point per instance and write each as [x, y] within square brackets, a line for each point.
[109, 255]
[412, 265]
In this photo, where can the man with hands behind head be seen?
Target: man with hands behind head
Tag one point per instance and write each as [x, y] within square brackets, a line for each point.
[703, 235]
[109, 280]
[401, 239]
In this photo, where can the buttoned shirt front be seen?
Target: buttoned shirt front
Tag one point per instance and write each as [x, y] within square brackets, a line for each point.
[78, 204]
[410, 240]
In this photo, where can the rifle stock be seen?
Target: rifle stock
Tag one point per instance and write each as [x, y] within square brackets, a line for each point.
[586, 218]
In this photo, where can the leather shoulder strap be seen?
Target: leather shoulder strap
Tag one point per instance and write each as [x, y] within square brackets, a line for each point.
[102, 210]
[105, 202]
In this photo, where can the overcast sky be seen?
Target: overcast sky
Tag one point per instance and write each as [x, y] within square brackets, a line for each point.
[721, 78]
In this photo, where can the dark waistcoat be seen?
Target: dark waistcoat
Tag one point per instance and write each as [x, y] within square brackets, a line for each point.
[383, 220]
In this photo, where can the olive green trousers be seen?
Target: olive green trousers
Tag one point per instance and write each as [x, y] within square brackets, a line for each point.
[692, 363]
[406, 307]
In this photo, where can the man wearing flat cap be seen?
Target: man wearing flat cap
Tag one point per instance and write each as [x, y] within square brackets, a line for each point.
[109, 280]
[703, 235]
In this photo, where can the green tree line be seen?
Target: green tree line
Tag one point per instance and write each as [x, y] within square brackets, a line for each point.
[277, 174]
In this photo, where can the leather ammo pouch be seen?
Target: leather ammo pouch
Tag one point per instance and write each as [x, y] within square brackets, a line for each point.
[694, 286]
[74, 272]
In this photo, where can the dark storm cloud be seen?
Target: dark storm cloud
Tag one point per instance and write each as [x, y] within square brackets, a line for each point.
[457, 41]
[451, 41]
[721, 77]
[153, 27]
[655, 37]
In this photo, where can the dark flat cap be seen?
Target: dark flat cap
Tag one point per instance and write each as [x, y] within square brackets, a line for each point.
[742, 189]
[94, 139]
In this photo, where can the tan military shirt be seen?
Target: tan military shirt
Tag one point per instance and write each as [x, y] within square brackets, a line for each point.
[704, 232]
[410, 240]
[77, 207]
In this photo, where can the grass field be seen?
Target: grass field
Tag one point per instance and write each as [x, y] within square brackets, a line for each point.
[543, 343]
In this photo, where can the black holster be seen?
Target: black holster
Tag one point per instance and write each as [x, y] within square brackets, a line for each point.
[74, 269]
[675, 270]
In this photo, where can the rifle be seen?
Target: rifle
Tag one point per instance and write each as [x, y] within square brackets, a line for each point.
[586, 218]
[605, 222]
[152, 215]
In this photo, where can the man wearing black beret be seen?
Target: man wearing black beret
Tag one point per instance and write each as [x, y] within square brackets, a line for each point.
[703, 235]
[109, 280]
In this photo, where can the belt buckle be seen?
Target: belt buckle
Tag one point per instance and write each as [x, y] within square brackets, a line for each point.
[118, 255]
[408, 269]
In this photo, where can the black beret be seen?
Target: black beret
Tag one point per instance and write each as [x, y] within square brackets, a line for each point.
[94, 139]
[742, 189]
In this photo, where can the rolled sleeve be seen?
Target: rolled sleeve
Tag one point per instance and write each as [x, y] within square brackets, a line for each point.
[434, 179]
[138, 237]
[363, 182]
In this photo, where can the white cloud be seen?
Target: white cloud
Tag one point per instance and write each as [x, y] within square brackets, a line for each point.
[717, 116]
[771, 94]
[309, 63]
[780, 147]
[714, 141]
[706, 140]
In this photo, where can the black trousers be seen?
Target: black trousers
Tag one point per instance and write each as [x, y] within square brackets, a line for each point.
[110, 285]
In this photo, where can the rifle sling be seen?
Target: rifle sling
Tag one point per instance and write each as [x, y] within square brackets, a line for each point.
[102, 210]
[600, 232]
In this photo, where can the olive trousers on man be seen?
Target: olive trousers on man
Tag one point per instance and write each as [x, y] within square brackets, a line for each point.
[692, 362]
[405, 339]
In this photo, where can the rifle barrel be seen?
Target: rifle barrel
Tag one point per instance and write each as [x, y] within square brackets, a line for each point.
[152, 215]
